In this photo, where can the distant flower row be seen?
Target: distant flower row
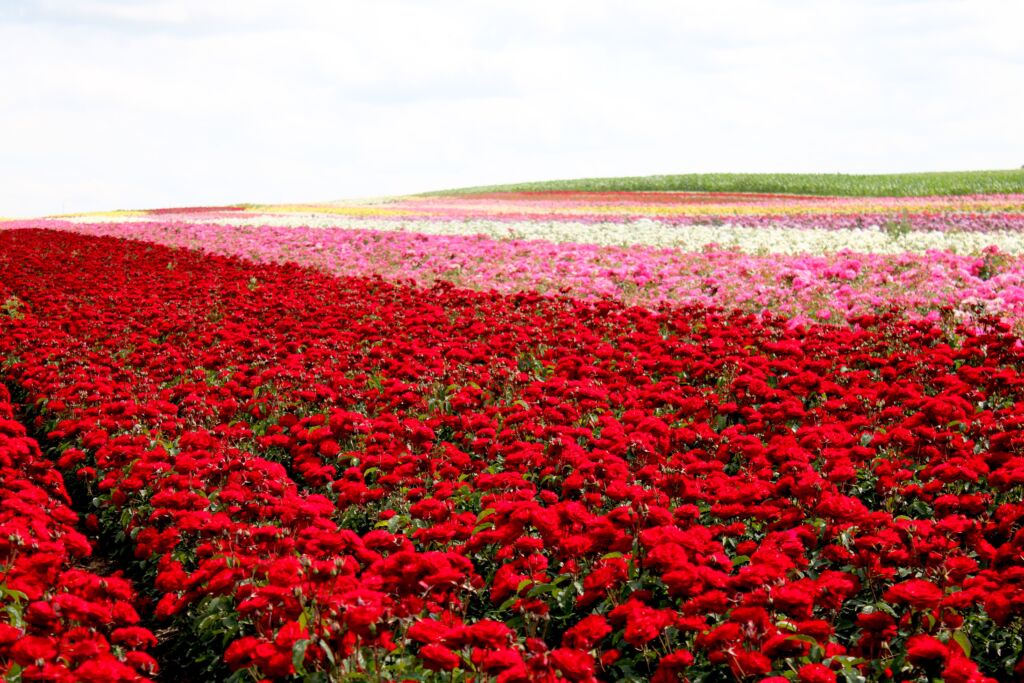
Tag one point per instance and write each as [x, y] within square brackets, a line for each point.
[809, 258]
[667, 204]
[892, 216]
[802, 287]
[773, 239]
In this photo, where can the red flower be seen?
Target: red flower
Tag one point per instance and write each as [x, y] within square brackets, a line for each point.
[41, 614]
[9, 634]
[489, 633]
[745, 663]
[671, 667]
[497, 661]
[31, 649]
[362, 609]
[239, 654]
[429, 631]
[586, 634]
[104, 670]
[926, 651]
[917, 593]
[289, 634]
[439, 658]
[960, 670]
[816, 673]
[643, 623]
[574, 665]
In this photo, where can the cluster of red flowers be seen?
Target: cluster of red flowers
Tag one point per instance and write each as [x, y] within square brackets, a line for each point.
[347, 476]
[60, 622]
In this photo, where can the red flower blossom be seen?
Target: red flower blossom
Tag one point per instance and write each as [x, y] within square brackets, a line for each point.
[815, 673]
[573, 664]
[587, 633]
[917, 593]
[925, 651]
[438, 658]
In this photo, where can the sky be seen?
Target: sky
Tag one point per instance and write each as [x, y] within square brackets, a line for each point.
[108, 104]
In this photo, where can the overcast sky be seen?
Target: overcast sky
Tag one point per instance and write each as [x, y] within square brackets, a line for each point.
[147, 103]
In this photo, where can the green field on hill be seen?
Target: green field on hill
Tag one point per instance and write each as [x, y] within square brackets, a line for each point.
[837, 184]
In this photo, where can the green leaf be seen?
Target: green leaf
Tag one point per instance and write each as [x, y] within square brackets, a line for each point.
[327, 652]
[542, 588]
[847, 661]
[961, 638]
[884, 607]
[803, 638]
[14, 594]
[299, 653]
[14, 616]
[853, 676]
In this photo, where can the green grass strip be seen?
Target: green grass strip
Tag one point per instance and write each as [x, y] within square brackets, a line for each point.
[829, 184]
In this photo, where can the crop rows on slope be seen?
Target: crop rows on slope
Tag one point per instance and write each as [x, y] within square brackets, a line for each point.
[329, 478]
[892, 184]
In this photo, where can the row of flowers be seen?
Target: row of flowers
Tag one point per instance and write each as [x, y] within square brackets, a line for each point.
[347, 476]
[942, 212]
[725, 202]
[803, 288]
[627, 217]
[58, 621]
[606, 227]
[768, 236]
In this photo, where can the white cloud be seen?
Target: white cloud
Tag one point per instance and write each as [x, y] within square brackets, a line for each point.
[127, 104]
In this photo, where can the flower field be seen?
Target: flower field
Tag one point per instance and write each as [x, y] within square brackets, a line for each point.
[516, 436]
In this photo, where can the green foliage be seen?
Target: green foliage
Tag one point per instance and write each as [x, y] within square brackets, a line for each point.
[837, 184]
[898, 227]
[12, 308]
